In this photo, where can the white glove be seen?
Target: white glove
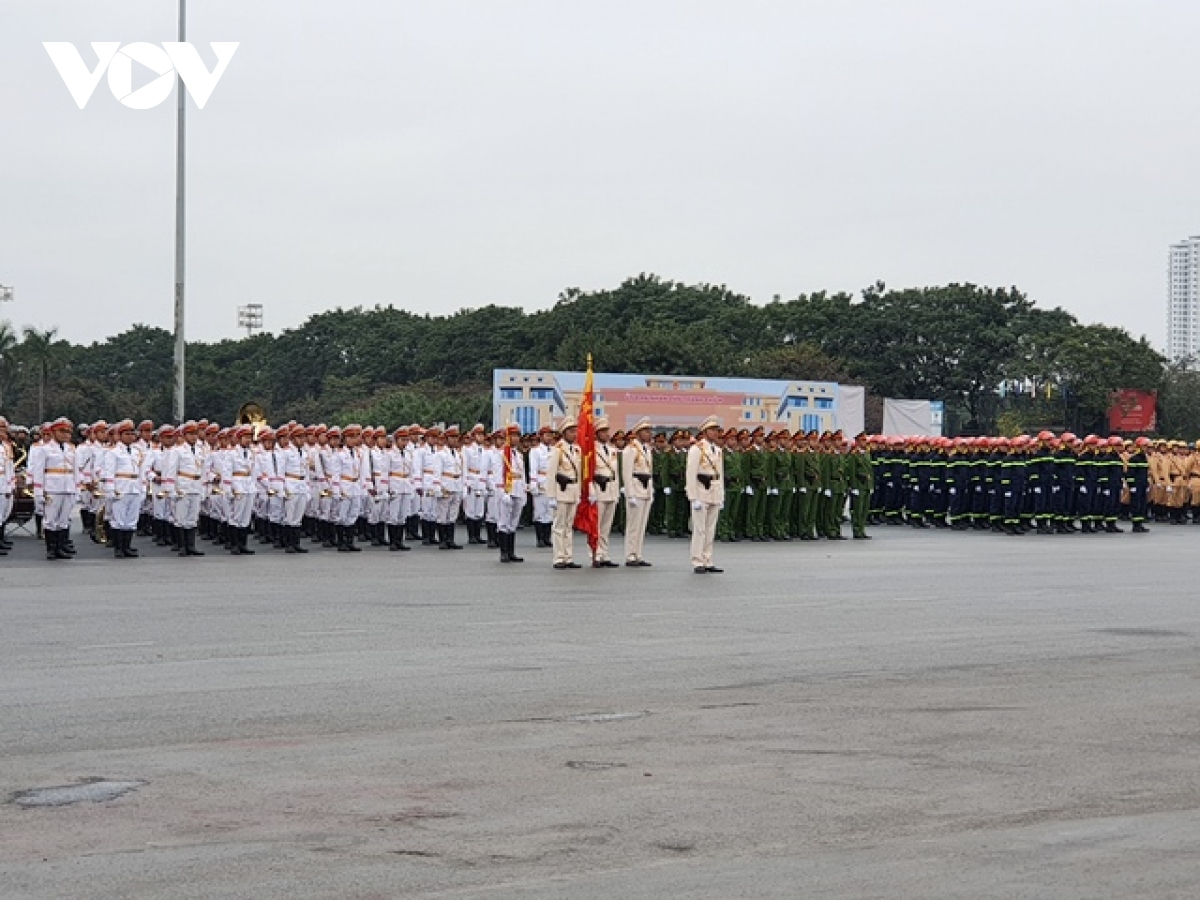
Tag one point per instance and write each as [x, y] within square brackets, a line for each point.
[774, 492]
[506, 500]
[697, 505]
[1037, 490]
[1008, 493]
[666, 492]
[632, 501]
[553, 504]
[804, 490]
[749, 491]
[854, 493]
[953, 492]
[1083, 490]
[828, 492]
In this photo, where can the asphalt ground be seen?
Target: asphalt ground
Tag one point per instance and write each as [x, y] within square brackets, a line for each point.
[927, 715]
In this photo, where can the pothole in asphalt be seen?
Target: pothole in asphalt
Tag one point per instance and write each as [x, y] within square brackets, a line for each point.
[92, 790]
[587, 765]
[600, 718]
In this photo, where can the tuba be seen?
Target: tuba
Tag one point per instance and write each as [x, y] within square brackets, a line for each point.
[252, 413]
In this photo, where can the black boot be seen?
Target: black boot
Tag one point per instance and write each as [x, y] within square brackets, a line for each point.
[189, 541]
[130, 550]
[51, 538]
[511, 541]
[397, 542]
[243, 537]
[296, 548]
[1114, 528]
[491, 533]
[450, 538]
[1139, 528]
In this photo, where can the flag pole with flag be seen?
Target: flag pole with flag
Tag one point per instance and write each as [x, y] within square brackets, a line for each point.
[587, 517]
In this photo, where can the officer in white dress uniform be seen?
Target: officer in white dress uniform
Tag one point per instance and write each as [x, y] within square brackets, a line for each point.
[637, 470]
[606, 492]
[563, 474]
[705, 484]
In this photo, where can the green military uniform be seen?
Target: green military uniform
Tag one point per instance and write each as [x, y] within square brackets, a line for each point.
[755, 467]
[730, 524]
[811, 484]
[860, 478]
[833, 495]
[678, 508]
[658, 510]
[779, 502]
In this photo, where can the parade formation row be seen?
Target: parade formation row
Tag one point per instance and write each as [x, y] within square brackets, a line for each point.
[337, 486]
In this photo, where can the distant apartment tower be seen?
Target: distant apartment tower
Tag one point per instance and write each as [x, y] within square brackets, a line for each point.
[1183, 300]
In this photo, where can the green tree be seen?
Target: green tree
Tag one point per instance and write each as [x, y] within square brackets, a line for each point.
[40, 351]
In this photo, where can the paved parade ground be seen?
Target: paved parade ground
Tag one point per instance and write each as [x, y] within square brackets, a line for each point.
[925, 715]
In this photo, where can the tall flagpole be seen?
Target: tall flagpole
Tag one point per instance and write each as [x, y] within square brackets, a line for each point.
[180, 342]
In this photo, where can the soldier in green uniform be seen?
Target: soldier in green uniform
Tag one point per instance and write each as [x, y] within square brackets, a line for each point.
[834, 493]
[783, 488]
[755, 467]
[658, 509]
[618, 441]
[678, 508]
[729, 526]
[860, 478]
[811, 484]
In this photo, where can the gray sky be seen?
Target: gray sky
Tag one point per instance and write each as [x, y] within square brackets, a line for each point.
[452, 153]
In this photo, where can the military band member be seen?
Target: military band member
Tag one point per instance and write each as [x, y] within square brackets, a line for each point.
[120, 482]
[183, 468]
[564, 471]
[637, 466]
[448, 462]
[8, 482]
[606, 492]
[352, 481]
[53, 471]
[493, 463]
[400, 490]
[475, 485]
[705, 475]
[539, 485]
[509, 486]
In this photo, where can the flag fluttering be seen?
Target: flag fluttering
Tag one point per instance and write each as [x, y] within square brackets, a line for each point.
[587, 517]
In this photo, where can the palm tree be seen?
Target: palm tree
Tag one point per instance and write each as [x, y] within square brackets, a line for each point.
[38, 347]
[8, 362]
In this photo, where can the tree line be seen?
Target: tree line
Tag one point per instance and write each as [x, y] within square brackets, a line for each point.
[990, 354]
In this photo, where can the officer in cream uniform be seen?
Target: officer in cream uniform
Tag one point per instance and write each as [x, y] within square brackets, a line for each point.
[606, 491]
[637, 467]
[563, 473]
[705, 482]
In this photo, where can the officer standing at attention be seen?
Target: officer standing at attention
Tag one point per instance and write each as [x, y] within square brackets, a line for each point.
[860, 476]
[637, 467]
[606, 492]
[565, 469]
[705, 487]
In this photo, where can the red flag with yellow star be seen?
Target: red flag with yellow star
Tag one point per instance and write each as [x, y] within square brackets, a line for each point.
[587, 517]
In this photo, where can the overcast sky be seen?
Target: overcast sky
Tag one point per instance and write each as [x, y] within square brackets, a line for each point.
[453, 153]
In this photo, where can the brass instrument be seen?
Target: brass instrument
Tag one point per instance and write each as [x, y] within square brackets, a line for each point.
[252, 413]
[101, 529]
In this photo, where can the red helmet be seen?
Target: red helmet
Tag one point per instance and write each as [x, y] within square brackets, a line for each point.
[1115, 441]
[1091, 441]
[1068, 437]
[1142, 442]
[1046, 436]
